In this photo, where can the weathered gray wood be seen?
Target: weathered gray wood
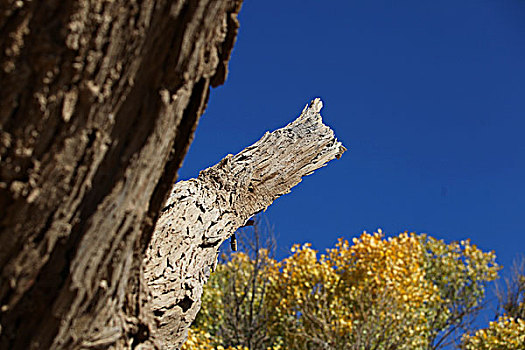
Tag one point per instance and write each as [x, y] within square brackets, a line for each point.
[201, 213]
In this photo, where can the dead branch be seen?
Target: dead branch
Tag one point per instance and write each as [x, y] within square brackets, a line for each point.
[202, 213]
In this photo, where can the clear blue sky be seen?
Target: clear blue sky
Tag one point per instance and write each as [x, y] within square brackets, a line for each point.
[428, 96]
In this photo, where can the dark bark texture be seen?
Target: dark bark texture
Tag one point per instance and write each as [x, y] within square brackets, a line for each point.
[98, 104]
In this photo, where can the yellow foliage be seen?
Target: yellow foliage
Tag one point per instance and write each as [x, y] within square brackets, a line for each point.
[200, 340]
[375, 287]
[197, 340]
[400, 292]
[506, 333]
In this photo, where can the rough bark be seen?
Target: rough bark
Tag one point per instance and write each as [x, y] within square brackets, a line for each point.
[98, 104]
[201, 213]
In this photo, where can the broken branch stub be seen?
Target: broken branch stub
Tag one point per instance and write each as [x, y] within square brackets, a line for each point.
[202, 213]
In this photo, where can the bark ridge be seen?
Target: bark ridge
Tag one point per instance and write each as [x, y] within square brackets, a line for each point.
[98, 103]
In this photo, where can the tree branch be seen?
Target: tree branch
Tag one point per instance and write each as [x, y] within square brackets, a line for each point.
[202, 213]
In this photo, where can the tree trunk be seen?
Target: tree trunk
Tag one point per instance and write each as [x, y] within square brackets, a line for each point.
[98, 104]
[201, 213]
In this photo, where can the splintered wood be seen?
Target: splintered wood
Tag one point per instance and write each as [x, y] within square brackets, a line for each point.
[202, 213]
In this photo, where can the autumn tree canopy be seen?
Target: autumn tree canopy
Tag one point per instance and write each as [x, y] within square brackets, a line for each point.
[408, 291]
